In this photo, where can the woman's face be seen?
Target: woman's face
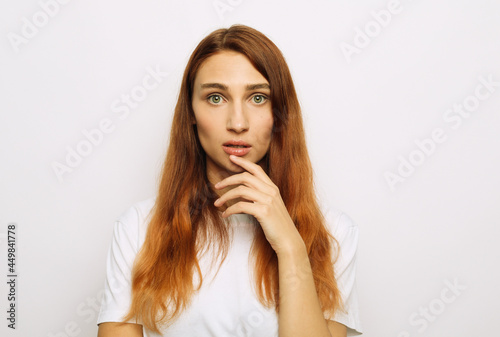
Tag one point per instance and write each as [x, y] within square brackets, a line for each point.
[231, 102]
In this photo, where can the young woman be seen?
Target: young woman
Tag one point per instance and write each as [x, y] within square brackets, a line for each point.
[235, 243]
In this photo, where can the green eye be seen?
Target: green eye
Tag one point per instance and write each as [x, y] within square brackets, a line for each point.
[259, 99]
[215, 99]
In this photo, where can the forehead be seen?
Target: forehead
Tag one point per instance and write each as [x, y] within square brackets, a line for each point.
[230, 68]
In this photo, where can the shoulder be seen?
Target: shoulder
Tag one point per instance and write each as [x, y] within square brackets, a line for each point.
[144, 208]
[132, 223]
[346, 233]
[138, 211]
[339, 223]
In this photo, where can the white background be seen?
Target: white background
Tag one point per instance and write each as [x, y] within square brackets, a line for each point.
[362, 113]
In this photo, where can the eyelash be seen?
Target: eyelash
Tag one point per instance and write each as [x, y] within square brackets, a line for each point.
[265, 98]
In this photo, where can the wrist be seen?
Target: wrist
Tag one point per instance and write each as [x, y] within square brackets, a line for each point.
[296, 249]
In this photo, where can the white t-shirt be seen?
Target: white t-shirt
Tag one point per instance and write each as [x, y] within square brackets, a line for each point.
[225, 305]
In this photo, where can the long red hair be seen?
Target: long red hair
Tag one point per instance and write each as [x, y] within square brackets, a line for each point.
[184, 218]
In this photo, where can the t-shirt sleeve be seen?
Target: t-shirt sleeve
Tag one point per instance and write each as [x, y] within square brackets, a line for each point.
[346, 233]
[116, 297]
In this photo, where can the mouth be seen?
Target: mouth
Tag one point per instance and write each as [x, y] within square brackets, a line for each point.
[236, 147]
[238, 144]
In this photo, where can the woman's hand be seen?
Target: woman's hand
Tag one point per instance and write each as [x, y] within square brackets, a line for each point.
[264, 202]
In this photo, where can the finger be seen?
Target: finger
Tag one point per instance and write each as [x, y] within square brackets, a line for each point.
[249, 194]
[246, 179]
[251, 167]
[242, 207]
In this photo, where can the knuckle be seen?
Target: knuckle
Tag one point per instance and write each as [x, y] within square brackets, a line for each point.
[275, 192]
[266, 210]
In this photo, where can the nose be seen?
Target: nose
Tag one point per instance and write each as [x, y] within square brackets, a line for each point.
[237, 118]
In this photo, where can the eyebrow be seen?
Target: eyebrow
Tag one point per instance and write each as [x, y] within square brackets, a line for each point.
[224, 87]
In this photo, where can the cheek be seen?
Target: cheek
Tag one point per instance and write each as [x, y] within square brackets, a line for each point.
[205, 128]
[265, 128]
[208, 130]
[267, 125]
[203, 124]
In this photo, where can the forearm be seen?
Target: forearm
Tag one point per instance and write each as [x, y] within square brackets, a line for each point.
[300, 312]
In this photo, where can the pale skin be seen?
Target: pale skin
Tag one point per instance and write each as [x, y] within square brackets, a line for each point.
[237, 107]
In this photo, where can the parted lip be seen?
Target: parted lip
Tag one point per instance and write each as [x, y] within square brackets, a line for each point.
[236, 142]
